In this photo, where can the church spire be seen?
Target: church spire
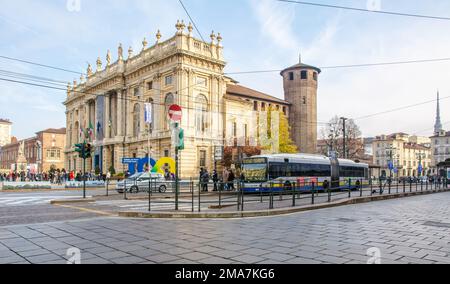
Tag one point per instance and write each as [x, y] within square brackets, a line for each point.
[438, 124]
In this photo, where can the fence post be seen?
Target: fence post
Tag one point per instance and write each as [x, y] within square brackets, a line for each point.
[107, 187]
[390, 181]
[404, 186]
[426, 184]
[417, 186]
[410, 185]
[329, 194]
[199, 196]
[371, 186]
[397, 185]
[349, 188]
[293, 195]
[421, 185]
[220, 194]
[360, 188]
[312, 193]
[191, 184]
[241, 187]
[271, 196]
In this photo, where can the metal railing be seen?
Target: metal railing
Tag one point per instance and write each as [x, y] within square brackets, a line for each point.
[196, 196]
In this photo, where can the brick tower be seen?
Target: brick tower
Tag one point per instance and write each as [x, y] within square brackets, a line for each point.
[300, 89]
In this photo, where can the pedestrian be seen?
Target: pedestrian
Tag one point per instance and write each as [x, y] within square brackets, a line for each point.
[231, 178]
[205, 180]
[225, 175]
[215, 179]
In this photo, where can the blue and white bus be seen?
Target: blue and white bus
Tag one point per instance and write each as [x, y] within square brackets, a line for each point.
[275, 172]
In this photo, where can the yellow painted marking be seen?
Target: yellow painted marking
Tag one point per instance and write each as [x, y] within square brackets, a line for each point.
[87, 210]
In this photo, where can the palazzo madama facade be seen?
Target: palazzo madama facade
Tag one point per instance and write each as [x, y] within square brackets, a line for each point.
[181, 70]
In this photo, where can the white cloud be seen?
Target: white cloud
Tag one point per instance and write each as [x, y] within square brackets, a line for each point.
[276, 23]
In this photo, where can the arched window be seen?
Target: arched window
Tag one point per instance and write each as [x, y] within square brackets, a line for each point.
[201, 114]
[169, 101]
[136, 120]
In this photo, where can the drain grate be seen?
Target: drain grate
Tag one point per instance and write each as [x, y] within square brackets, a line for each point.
[437, 224]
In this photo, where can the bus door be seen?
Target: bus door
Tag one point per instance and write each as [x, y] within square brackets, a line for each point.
[335, 175]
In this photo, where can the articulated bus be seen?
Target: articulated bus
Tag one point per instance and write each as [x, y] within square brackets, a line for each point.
[276, 172]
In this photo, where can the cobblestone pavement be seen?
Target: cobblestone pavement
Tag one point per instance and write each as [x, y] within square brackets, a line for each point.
[411, 230]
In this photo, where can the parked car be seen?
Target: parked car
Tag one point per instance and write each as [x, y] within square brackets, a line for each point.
[140, 182]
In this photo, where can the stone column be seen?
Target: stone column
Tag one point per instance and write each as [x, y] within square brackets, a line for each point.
[120, 112]
[107, 116]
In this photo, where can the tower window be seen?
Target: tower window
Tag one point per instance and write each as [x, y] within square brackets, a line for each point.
[304, 75]
[291, 76]
[315, 76]
[304, 100]
[255, 106]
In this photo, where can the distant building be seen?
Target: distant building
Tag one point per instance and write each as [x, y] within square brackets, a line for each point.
[40, 153]
[5, 132]
[400, 153]
[440, 142]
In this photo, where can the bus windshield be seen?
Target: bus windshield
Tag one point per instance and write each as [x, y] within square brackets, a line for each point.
[255, 172]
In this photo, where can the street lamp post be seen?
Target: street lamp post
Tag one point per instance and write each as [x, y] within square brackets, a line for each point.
[421, 156]
[390, 152]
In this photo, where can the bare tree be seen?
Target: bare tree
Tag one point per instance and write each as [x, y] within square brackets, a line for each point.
[333, 135]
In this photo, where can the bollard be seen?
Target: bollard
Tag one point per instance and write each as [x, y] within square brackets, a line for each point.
[417, 186]
[404, 186]
[410, 186]
[293, 196]
[107, 187]
[426, 183]
[312, 193]
[397, 186]
[329, 195]
[261, 194]
[389, 184]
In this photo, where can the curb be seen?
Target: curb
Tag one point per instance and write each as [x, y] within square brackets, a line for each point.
[267, 213]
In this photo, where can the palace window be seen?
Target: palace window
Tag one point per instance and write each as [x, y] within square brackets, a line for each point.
[202, 158]
[203, 82]
[136, 120]
[304, 100]
[169, 80]
[201, 114]
[304, 75]
[255, 106]
[137, 92]
[150, 85]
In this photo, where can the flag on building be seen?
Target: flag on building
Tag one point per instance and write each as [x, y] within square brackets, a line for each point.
[148, 113]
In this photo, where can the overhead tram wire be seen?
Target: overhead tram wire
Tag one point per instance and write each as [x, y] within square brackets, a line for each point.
[41, 65]
[391, 13]
[127, 99]
[348, 66]
[192, 20]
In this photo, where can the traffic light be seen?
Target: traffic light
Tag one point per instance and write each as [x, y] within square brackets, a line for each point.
[181, 139]
[88, 151]
[79, 148]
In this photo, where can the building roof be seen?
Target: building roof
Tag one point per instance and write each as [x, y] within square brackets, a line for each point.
[447, 134]
[53, 131]
[5, 121]
[415, 146]
[241, 91]
[301, 66]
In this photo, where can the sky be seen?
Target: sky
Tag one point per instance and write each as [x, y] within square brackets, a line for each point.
[257, 35]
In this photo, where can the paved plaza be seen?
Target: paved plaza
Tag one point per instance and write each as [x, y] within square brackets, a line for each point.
[409, 230]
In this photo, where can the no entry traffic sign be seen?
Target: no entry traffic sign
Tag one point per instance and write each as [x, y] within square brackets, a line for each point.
[175, 113]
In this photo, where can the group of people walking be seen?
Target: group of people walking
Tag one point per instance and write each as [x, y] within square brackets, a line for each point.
[223, 183]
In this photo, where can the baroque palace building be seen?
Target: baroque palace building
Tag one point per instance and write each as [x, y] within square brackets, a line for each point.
[186, 71]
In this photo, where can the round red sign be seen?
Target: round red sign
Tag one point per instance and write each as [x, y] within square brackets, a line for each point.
[175, 113]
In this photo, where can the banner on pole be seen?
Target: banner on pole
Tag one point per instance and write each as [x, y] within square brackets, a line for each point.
[148, 113]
